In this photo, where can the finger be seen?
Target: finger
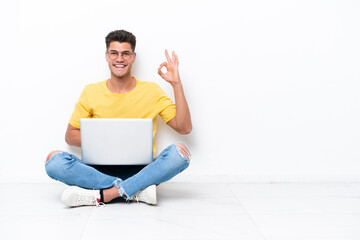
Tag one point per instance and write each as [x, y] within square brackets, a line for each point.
[167, 56]
[176, 60]
[160, 72]
[173, 56]
[164, 64]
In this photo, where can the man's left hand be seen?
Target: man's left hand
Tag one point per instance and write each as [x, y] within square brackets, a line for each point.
[172, 71]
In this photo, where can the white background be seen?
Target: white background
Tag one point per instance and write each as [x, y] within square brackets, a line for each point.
[273, 86]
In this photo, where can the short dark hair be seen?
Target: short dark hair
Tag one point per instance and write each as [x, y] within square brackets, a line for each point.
[121, 36]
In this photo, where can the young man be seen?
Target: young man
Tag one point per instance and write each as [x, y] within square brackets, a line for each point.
[123, 96]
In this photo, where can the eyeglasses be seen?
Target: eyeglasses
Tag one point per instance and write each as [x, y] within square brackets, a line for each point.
[114, 54]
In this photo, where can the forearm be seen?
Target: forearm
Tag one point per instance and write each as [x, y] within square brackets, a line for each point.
[73, 138]
[182, 121]
[75, 141]
[183, 117]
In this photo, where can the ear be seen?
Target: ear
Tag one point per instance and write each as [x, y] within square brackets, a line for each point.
[134, 57]
[106, 56]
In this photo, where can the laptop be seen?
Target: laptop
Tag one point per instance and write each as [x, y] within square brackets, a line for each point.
[116, 141]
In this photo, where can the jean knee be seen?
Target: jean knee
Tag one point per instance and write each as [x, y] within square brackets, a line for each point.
[183, 151]
[51, 154]
[54, 164]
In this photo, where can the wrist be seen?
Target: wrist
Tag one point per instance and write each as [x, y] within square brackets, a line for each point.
[176, 85]
[176, 82]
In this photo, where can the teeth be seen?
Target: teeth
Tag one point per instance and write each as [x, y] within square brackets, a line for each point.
[119, 66]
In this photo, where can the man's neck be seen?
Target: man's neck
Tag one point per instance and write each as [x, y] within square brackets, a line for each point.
[121, 85]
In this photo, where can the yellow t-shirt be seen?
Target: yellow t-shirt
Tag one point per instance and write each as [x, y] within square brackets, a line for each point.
[146, 100]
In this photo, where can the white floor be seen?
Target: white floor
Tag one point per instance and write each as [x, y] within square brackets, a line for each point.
[188, 211]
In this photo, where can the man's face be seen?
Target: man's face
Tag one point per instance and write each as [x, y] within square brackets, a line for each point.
[120, 65]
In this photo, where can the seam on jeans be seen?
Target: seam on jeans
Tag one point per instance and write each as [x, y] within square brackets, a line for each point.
[185, 167]
[117, 182]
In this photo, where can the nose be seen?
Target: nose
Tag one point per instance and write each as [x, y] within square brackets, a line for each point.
[119, 57]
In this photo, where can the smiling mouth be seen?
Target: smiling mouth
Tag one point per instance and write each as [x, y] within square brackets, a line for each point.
[120, 66]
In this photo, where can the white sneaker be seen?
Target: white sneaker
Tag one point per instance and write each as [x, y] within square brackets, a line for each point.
[75, 196]
[147, 195]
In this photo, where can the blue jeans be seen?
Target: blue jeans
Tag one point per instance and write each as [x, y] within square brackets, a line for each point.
[70, 170]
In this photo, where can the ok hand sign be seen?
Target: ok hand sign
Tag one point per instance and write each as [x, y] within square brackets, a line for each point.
[172, 72]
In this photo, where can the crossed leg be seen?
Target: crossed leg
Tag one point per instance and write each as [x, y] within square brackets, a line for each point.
[173, 160]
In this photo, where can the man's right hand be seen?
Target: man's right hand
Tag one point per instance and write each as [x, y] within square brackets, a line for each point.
[72, 136]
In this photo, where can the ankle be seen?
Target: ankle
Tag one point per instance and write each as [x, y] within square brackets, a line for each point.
[110, 193]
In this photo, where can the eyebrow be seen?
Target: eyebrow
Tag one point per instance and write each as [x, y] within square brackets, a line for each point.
[118, 51]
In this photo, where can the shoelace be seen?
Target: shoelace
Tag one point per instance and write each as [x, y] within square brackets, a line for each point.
[135, 198]
[99, 204]
[138, 195]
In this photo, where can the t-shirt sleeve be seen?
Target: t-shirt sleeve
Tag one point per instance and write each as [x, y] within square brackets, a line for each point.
[81, 110]
[167, 109]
